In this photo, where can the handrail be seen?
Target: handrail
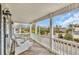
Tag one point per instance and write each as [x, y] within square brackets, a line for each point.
[42, 36]
[66, 41]
[20, 36]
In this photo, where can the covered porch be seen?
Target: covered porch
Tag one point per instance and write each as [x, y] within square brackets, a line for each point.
[30, 29]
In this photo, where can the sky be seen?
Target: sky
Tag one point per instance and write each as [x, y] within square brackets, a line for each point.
[68, 18]
[44, 23]
[64, 20]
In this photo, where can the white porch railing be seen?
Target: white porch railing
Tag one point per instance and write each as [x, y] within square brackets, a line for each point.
[66, 47]
[22, 43]
[60, 46]
[42, 40]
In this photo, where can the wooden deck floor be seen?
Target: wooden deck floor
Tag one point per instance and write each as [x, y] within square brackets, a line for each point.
[36, 49]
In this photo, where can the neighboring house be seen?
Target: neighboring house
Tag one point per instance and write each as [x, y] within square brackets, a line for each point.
[76, 32]
[63, 30]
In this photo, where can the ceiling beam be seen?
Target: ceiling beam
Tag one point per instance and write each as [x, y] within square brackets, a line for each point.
[58, 12]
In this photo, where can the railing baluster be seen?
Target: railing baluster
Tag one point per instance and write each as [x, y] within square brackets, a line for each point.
[63, 48]
[75, 50]
[56, 44]
[67, 48]
[60, 46]
[71, 49]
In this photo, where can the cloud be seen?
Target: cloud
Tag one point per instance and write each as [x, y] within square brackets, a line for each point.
[72, 20]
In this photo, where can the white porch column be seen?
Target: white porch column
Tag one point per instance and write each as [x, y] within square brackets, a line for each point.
[39, 30]
[2, 36]
[51, 33]
[35, 28]
[30, 29]
[20, 30]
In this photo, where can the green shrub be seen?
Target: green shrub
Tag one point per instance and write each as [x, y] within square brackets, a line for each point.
[60, 35]
[68, 36]
[76, 39]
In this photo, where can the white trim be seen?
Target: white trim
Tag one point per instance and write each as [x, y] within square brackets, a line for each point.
[2, 37]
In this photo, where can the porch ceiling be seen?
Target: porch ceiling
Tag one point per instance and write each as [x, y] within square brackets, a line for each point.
[28, 12]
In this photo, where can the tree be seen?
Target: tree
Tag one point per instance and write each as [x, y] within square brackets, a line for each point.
[60, 35]
[57, 29]
[68, 36]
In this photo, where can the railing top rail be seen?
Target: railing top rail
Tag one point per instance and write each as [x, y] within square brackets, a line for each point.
[66, 41]
[41, 35]
[22, 36]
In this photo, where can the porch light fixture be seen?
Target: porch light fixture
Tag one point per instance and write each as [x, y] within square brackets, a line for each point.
[6, 12]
